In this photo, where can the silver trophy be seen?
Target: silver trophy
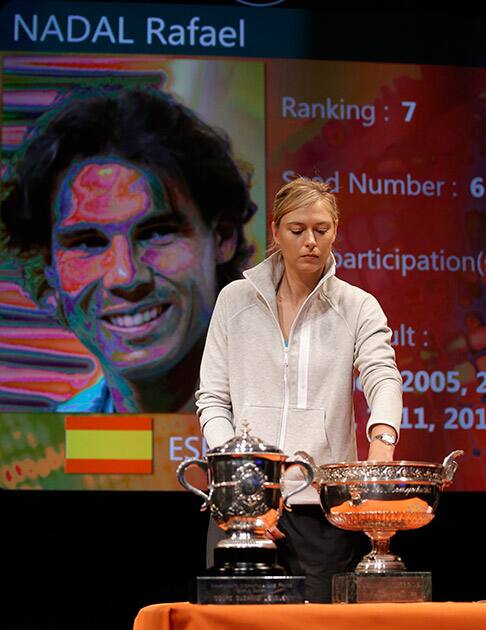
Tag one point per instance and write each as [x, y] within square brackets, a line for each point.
[381, 498]
[245, 499]
[245, 488]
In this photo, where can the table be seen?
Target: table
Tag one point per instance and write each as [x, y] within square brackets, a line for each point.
[421, 616]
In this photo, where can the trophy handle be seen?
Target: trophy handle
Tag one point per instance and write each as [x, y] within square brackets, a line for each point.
[308, 474]
[302, 456]
[183, 481]
[449, 467]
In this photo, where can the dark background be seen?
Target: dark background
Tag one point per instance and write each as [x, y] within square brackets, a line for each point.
[93, 559]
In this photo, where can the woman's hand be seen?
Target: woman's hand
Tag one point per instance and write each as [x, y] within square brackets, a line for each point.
[274, 533]
[378, 450]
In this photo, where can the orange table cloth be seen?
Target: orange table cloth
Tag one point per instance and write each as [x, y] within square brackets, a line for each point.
[422, 616]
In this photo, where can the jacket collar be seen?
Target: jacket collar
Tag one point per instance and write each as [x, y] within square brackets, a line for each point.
[265, 277]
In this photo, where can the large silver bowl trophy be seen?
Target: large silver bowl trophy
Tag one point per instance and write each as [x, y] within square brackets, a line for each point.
[381, 498]
[245, 498]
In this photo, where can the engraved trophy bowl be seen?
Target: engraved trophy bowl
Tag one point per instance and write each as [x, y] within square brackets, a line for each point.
[245, 477]
[381, 498]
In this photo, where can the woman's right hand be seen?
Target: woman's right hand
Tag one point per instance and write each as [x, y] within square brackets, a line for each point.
[274, 533]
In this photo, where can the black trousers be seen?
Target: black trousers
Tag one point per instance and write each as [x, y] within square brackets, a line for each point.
[311, 547]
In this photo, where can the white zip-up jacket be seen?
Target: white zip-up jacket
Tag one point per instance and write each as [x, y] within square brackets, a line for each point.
[299, 396]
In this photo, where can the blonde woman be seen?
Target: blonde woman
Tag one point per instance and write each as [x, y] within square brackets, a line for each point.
[280, 353]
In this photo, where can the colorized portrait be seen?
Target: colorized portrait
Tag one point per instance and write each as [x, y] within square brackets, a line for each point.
[124, 212]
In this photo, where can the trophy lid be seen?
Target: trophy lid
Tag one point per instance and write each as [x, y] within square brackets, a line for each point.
[244, 443]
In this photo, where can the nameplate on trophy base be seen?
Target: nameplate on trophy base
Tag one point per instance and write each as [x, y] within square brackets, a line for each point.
[397, 586]
[265, 589]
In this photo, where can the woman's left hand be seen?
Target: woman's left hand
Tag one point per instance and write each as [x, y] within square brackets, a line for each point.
[380, 452]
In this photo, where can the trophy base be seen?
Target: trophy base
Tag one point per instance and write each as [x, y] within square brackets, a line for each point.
[245, 562]
[396, 586]
[264, 589]
[248, 575]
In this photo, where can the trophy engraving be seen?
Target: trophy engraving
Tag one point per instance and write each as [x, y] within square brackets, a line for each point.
[249, 491]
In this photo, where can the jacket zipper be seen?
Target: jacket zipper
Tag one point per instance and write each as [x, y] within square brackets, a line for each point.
[285, 411]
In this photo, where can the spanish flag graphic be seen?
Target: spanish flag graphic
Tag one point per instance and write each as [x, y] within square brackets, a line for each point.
[108, 445]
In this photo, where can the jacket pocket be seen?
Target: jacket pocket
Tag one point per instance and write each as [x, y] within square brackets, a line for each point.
[306, 431]
[264, 422]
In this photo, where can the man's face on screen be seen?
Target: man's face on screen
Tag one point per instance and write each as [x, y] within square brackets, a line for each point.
[134, 273]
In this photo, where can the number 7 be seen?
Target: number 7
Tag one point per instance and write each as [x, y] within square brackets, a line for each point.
[411, 108]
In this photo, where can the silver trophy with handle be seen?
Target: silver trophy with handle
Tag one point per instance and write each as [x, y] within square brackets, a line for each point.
[245, 498]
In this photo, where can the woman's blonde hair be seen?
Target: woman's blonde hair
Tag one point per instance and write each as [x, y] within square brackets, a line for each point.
[298, 193]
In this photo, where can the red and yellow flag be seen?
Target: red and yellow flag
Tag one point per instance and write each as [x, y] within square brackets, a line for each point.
[108, 444]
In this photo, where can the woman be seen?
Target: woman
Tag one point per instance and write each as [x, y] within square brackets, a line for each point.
[280, 353]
